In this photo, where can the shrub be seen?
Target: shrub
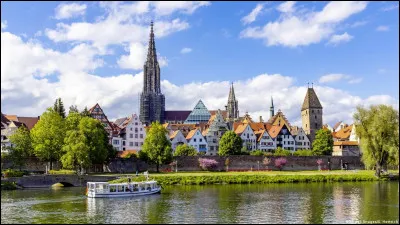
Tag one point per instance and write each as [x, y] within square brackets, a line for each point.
[208, 164]
[67, 172]
[14, 173]
[282, 152]
[257, 153]
[303, 152]
[266, 161]
[280, 163]
[130, 155]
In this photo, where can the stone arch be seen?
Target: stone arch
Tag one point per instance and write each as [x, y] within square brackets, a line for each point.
[66, 184]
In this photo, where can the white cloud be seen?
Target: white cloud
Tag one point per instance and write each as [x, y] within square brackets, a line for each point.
[334, 77]
[382, 28]
[390, 7]
[65, 11]
[287, 7]
[304, 28]
[4, 24]
[168, 7]
[340, 38]
[137, 57]
[358, 24]
[253, 14]
[185, 50]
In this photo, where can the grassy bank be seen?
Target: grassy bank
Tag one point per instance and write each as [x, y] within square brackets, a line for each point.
[8, 185]
[193, 178]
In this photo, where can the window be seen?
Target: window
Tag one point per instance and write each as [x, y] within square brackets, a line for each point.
[141, 143]
[136, 123]
[130, 143]
[306, 125]
[284, 142]
[136, 144]
[141, 135]
[194, 139]
[312, 111]
[315, 116]
[316, 125]
[131, 128]
[123, 143]
[201, 140]
[140, 129]
[116, 142]
[136, 136]
[131, 135]
[136, 130]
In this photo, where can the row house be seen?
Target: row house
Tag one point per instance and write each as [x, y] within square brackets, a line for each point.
[301, 139]
[196, 139]
[97, 112]
[177, 138]
[345, 141]
[216, 128]
[264, 141]
[283, 137]
[247, 135]
[131, 135]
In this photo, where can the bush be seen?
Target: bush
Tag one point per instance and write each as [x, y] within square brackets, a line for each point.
[14, 173]
[282, 152]
[67, 172]
[130, 155]
[257, 153]
[280, 163]
[208, 164]
[303, 152]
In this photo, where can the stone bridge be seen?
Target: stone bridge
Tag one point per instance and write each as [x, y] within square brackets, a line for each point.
[49, 180]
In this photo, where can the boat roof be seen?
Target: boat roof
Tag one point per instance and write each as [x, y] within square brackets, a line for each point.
[133, 182]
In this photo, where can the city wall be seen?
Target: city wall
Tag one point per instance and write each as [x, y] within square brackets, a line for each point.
[236, 163]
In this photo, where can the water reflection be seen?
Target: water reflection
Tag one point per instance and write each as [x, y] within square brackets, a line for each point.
[268, 203]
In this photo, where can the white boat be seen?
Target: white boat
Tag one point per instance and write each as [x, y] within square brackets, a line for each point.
[107, 190]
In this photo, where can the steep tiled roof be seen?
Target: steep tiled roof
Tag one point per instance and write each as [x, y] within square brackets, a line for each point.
[204, 133]
[12, 117]
[240, 129]
[294, 130]
[4, 119]
[278, 115]
[311, 100]
[214, 112]
[259, 134]
[274, 130]
[165, 125]
[119, 121]
[191, 134]
[28, 121]
[337, 125]
[343, 133]
[338, 143]
[173, 135]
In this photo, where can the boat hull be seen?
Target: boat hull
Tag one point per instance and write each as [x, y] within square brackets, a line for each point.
[122, 194]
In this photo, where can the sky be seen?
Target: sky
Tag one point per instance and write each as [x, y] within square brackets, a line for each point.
[94, 52]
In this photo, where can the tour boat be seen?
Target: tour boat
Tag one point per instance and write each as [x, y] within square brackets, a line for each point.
[107, 190]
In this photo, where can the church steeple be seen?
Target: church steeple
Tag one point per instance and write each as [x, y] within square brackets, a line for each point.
[232, 106]
[271, 108]
[152, 101]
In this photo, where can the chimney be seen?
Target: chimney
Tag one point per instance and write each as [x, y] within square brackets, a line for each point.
[261, 120]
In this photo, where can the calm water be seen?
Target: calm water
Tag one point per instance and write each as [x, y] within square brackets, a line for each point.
[269, 203]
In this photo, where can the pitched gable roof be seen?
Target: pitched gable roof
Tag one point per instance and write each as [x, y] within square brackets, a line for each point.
[343, 133]
[240, 129]
[311, 100]
[191, 134]
[337, 125]
[177, 115]
[30, 122]
[12, 117]
[259, 134]
[173, 135]
[274, 130]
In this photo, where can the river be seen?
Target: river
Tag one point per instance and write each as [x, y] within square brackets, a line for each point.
[349, 202]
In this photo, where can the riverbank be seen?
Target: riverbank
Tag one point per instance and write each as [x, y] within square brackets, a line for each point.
[196, 178]
[8, 186]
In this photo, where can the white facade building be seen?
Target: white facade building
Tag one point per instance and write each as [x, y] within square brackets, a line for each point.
[301, 140]
[176, 139]
[197, 140]
[247, 135]
[264, 141]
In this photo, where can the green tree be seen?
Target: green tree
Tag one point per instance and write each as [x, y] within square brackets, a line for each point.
[378, 130]
[48, 136]
[72, 121]
[96, 138]
[85, 112]
[230, 144]
[323, 143]
[76, 151]
[185, 150]
[59, 107]
[282, 152]
[21, 146]
[156, 146]
[73, 108]
[303, 152]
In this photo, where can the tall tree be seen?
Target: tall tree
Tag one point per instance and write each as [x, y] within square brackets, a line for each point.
[73, 108]
[59, 107]
[96, 139]
[76, 151]
[85, 112]
[185, 150]
[48, 136]
[230, 144]
[378, 130]
[323, 143]
[156, 145]
[21, 146]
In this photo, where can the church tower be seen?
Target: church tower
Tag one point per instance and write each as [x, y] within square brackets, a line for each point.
[311, 114]
[152, 101]
[232, 110]
[271, 108]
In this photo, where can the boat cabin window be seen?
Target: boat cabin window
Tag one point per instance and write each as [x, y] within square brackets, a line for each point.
[113, 189]
[120, 188]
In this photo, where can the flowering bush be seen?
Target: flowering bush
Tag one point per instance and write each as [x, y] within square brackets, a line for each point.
[208, 164]
[266, 161]
[319, 162]
[173, 163]
[280, 162]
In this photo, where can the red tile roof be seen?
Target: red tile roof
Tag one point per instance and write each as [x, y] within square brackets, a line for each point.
[191, 134]
[338, 143]
[29, 121]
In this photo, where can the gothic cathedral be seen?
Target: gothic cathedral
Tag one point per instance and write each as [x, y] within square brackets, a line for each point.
[152, 101]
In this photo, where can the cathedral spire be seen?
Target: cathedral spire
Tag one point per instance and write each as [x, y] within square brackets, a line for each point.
[271, 109]
[232, 106]
[151, 53]
[231, 94]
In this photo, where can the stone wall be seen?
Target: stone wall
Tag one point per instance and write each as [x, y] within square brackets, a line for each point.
[31, 164]
[237, 163]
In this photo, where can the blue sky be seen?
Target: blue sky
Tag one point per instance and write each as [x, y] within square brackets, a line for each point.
[88, 52]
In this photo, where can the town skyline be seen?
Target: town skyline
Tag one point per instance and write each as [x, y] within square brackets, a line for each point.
[76, 72]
